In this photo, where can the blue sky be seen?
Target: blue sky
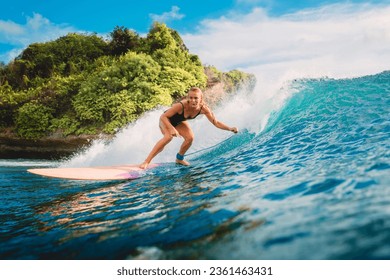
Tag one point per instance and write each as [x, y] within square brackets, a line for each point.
[206, 26]
[102, 16]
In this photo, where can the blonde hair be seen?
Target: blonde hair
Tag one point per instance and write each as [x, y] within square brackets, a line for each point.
[195, 89]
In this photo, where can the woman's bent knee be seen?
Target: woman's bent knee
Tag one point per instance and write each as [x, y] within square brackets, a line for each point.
[168, 137]
[189, 139]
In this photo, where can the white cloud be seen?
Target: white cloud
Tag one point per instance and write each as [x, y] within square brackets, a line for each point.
[173, 14]
[10, 27]
[336, 40]
[37, 22]
[36, 29]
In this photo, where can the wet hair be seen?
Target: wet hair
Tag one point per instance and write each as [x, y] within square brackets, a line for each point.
[195, 89]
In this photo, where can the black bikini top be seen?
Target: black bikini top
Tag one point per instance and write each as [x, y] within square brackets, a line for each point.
[177, 118]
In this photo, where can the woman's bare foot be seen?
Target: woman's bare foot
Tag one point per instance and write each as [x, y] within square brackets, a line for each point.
[182, 162]
[144, 165]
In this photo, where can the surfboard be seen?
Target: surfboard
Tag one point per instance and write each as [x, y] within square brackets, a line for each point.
[108, 173]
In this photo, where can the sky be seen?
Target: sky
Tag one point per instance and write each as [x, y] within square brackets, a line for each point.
[322, 37]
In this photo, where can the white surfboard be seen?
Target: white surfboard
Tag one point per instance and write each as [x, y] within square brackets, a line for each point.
[117, 172]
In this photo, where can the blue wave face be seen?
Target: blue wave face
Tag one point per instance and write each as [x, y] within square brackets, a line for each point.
[316, 177]
[339, 126]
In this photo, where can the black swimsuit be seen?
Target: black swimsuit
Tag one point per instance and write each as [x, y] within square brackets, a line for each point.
[177, 118]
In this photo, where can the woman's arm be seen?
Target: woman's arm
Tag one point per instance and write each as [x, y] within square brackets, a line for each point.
[211, 117]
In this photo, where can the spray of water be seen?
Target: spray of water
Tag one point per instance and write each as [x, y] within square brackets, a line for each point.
[133, 143]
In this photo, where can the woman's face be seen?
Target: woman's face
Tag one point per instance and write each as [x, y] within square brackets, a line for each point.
[194, 99]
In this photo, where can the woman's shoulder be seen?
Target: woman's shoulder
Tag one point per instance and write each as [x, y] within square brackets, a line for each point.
[179, 106]
[205, 109]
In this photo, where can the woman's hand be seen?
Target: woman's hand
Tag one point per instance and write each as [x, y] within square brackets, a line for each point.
[174, 132]
[234, 129]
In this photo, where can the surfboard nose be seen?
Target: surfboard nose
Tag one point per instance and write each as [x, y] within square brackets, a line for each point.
[119, 172]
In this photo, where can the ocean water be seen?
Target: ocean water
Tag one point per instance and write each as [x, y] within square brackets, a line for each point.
[307, 177]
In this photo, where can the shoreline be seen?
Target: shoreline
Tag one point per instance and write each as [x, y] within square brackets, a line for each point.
[51, 147]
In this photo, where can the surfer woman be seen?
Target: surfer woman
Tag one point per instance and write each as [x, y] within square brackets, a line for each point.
[173, 123]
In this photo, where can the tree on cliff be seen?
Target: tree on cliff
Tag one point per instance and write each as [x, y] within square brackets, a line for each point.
[124, 40]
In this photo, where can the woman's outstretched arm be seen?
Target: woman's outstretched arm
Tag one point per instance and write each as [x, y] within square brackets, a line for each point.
[211, 117]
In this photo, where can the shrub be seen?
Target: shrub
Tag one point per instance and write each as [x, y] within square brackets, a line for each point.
[33, 120]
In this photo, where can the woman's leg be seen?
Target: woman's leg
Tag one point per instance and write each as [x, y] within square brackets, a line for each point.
[186, 132]
[158, 147]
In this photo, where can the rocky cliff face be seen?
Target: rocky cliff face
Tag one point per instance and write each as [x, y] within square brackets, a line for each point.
[53, 147]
